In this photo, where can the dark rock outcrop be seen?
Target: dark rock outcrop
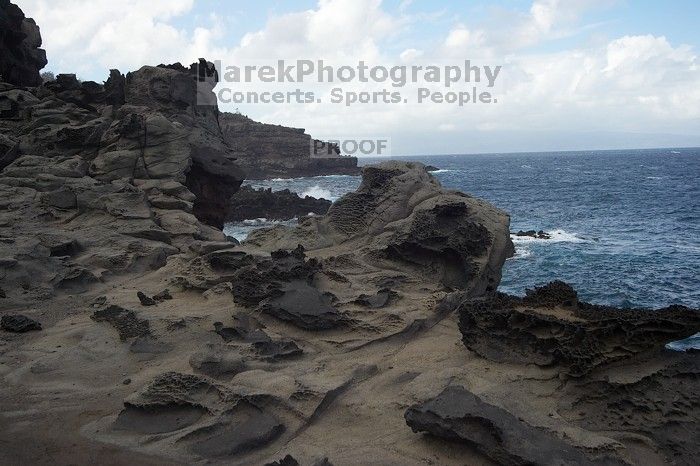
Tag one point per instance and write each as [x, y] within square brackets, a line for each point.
[145, 300]
[249, 203]
[213, 179]
[402, 216]
[304, 306]
[217, 361]
[20, 55]
[124, 320]
[273, 151]
[457, 414]
[18, 323]
[549, 327]
[276, 350]
[130, 172]
[534, 234]
[661, 405]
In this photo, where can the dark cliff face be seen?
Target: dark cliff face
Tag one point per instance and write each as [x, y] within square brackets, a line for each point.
[103, 179]
[20, 55]
[249, 203]
[274, 151]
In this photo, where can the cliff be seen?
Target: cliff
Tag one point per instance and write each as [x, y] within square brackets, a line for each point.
[133, 332]
[20, 55]
[274, 151]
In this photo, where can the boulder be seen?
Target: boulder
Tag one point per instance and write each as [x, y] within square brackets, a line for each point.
[457, 414]
[18, 323]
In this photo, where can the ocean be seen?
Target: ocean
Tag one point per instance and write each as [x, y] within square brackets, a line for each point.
[625, 223]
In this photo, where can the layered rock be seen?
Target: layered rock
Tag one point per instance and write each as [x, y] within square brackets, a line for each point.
[249, 203]
[311, 316]
[550, 327]
[570, 383]
[458, 414]
[121, 175]
[21, 57]
[401, 218]
[156, 341]
[274, 151]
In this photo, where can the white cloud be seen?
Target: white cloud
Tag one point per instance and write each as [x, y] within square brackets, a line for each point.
[410, 55]
[639, 83]
[80, 34]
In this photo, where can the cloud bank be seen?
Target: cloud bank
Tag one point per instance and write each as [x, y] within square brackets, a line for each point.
[599, 93]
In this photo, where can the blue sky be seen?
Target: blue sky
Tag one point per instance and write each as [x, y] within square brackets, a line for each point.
[578, 74]
[677, 20]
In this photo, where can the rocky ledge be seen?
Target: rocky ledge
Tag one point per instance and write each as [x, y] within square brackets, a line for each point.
[133, 332]
[577, 383]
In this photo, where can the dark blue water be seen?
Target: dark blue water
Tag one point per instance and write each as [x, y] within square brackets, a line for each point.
[626, 224]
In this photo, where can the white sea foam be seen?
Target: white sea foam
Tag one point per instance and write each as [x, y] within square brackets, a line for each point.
[241, 230]
[557, 236]
[684, 345]
[302, 178]
[521, 252]
[318, 192]
[442, 170]
[255, 221]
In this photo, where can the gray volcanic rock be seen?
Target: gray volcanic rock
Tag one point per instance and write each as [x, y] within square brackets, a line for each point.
[18, 323]
[130, 172]
[400, 215]
[20, 55]
[249, 203]
[304, 306]
[217, 361]
[662, 405]
[457, 414]
[549, 327]
[124, 320]
[145, 300]
[274, 151]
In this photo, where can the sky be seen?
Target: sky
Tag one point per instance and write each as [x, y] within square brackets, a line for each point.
[576, 74]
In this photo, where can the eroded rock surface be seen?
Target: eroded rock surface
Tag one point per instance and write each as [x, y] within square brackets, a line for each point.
[550, 327]
[308, 341]
[101, 180]
[401, 217]
[458, 414]
[580, 383]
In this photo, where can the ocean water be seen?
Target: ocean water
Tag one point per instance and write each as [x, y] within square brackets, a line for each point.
[625, 224]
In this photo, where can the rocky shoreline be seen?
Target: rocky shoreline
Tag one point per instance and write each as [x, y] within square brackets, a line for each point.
[135, 332]
[249, 204]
